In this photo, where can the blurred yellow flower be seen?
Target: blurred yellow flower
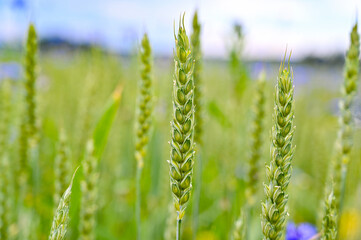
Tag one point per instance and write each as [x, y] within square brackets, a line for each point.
[350, 224]
[206, 235]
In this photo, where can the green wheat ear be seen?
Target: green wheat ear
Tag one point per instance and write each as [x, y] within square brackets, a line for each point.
[61, 219]
[182, 125]
[144, 102]
[198, 117]
[197, 55]
[28, 128]
[345, 135]
[256, 140]
[30, 78]
[61, 166]
[329, 221]
[7, 169]
[144, 111]
[89, 193]
[274, 208]
[181, 163]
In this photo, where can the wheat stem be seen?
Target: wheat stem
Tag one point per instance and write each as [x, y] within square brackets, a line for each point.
[61, 167]
[345, 136]
[6, 173]
[144, 110]
[179, 222]
[197, 54]
[89, 194]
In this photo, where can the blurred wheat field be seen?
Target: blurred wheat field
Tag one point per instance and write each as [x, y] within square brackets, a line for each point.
[73, 87]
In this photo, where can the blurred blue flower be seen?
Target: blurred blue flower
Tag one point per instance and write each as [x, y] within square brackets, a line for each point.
[303, 231]
[19, 4]
[10, 70]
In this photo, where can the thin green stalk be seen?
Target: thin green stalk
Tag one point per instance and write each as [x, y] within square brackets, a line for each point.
[197, 54]
[138, 201]
[144, 111]
[274, 207]
[179, 222]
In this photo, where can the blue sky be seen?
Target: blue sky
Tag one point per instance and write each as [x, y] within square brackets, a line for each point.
[318, 27]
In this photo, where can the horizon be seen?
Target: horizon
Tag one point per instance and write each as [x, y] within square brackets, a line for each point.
[118, 25]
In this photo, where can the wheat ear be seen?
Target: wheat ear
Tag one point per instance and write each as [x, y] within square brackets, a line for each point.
[89, 194]
[61, 166]
[198, 118]
[144, 111]
[28, 124]
[182, 125]
[61, 219]
[345, 135]
[329, 221]
[6, 173]
[278, 172]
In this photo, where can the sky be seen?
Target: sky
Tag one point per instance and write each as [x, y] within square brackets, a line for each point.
[316, 27]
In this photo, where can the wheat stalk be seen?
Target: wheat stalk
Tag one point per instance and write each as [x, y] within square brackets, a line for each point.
[345, 135]
[329, 221]
[182, 125]
[89, 194]
[274, 208]
[239, 232]
[28, 128]
[61, 166]
[198, 117]
[61, 219]
[256, 140]
[197, 55]
[6, 173]
[144, 111]
[30, 79]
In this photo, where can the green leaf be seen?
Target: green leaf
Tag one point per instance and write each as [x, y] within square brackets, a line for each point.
[102, 127]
